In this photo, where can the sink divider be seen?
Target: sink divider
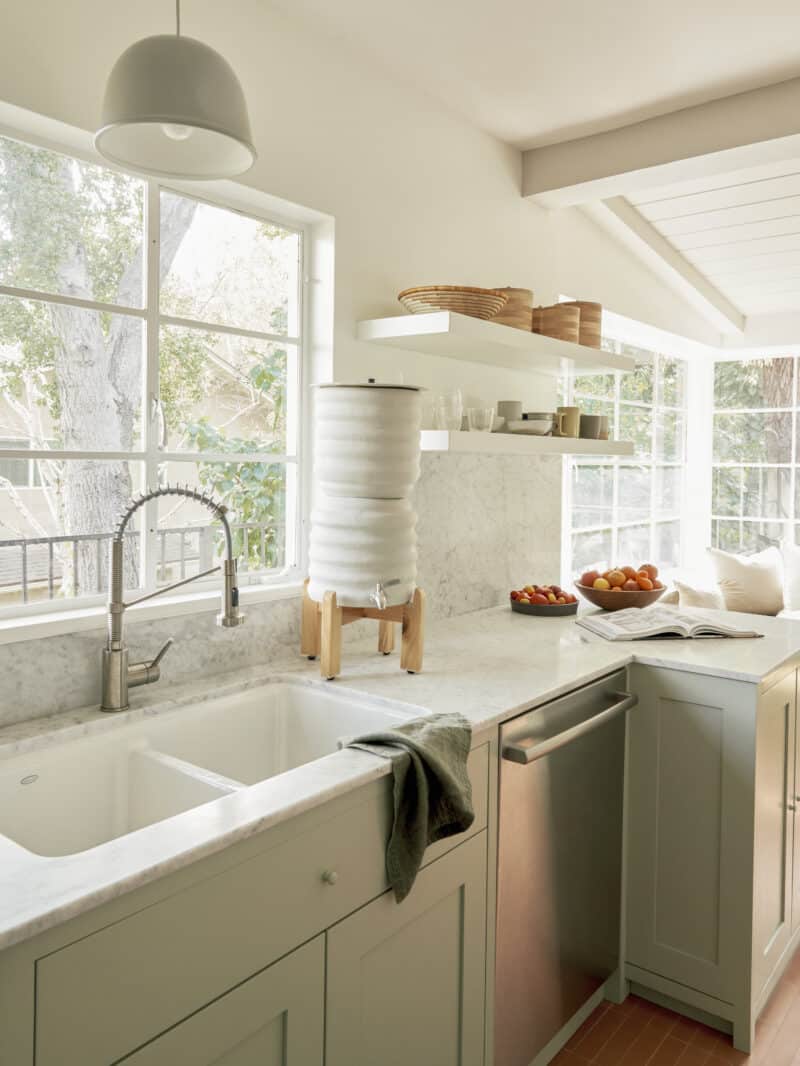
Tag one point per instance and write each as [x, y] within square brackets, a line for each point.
[181, 786]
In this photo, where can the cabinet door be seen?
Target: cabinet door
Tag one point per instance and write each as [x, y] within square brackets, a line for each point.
[406, 982]
[774, 828]
[690, 829]
[274, 1019]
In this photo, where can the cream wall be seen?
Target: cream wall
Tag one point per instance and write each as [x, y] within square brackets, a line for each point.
[418, 195]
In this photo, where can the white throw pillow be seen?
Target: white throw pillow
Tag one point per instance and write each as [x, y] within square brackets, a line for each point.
[751, 583]
[689, 596]
[791, 571]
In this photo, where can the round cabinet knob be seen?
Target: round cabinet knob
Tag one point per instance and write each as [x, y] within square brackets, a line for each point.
[330, 877]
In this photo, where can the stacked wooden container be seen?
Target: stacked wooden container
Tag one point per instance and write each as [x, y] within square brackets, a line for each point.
[517, 310]
[577, 321]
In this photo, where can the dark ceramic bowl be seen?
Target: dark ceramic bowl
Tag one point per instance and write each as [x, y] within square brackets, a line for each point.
[546, 610]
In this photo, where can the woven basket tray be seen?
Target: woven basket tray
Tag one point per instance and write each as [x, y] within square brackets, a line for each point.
[463, 299]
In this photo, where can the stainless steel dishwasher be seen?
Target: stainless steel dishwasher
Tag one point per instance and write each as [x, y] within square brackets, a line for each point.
[559, 867]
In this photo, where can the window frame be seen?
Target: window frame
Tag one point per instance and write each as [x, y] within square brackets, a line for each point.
[621, 330]
[150, 454]
[790, 523]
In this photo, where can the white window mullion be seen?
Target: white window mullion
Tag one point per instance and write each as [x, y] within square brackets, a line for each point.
[153, 412]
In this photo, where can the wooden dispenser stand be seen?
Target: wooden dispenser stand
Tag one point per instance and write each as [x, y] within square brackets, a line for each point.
[321, 630]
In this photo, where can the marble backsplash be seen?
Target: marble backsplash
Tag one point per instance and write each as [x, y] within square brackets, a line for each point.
[486, 524]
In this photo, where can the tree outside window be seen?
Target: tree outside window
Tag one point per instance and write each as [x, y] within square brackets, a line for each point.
[145, 336]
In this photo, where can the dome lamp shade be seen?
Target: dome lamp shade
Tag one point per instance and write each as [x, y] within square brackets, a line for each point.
[174, 108]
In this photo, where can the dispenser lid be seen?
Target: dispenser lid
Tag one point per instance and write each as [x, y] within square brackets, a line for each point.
[370, 383]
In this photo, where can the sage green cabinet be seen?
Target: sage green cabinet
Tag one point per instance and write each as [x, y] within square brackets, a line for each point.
[406, 983]
[774, 828]
[274, 1019]
[713, 848]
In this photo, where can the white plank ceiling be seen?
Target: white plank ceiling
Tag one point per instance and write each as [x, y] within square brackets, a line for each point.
[741, 231]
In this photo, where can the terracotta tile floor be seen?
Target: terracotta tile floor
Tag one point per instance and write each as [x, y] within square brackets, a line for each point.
[638, 1033]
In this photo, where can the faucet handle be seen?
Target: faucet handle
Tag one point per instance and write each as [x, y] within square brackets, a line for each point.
[147, 673]
[167, 645]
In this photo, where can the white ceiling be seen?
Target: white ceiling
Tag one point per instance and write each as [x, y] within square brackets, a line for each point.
[533, 73]
[741, 231]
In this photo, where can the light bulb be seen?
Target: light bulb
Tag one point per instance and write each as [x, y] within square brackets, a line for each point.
[176, 132]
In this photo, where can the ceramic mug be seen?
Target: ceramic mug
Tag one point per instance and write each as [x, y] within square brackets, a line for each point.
[510, 410]
[570, 421]
[590, 426]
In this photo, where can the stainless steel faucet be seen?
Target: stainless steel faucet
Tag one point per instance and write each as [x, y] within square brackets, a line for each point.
[118, 674]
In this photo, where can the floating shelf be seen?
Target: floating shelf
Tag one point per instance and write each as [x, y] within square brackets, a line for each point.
[477, 341]
[442, 440]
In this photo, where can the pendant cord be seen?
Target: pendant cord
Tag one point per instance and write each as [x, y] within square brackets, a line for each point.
[178, 17]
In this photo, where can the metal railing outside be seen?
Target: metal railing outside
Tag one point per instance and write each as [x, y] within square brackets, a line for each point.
[41, 559]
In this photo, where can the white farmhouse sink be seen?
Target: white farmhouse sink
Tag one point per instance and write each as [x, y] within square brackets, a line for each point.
[266, 731]
[84, 792]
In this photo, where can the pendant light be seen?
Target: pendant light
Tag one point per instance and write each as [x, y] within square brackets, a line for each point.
[173, 107]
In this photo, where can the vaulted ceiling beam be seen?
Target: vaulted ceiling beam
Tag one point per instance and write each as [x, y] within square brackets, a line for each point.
[745, 130]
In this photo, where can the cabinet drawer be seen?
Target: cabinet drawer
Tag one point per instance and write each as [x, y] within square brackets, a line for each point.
[103, 996]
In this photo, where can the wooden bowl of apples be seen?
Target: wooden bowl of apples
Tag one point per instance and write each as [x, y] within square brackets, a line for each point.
[622, 586]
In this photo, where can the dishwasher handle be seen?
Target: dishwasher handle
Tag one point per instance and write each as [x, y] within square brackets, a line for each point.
[528, 753]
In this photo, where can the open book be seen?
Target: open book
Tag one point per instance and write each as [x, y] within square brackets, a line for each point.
[639, 623]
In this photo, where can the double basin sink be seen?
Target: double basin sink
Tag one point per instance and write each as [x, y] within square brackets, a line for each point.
[73, 796]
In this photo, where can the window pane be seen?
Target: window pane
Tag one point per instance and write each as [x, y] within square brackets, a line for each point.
[638, 384]
[70, 378]
[669, 487]
[745, 536]
[54, 537]
[673, 381]
[223, 393]
[636, 424]
[598, 385]
[668, 544]
[222, 267]
[69, 227]
[591, 551]
[17, 471]
[255, 495]
[592, 495]
[756, 437]
[633, 545]
[670, 436]
[753, 383]
[634, 493]
[754, 491]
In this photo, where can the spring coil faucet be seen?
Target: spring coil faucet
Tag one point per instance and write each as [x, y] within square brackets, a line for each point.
[118, 674]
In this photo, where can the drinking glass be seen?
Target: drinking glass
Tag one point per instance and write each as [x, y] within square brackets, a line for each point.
[448, 410]
[480, 418]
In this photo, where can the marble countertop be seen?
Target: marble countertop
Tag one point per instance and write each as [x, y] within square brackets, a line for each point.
[489, 665]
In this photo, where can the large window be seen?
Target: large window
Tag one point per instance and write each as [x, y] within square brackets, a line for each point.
[146, 337]
[628, 510]
[755, 453]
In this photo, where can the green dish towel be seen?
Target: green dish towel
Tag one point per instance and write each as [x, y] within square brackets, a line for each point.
[432, 791]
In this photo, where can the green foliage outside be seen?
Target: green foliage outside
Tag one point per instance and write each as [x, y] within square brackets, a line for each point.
[75, 229]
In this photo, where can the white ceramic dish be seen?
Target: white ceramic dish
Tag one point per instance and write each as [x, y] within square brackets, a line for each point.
[533, 428]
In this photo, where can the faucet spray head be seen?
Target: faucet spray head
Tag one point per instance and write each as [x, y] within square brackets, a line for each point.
[230, 616]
